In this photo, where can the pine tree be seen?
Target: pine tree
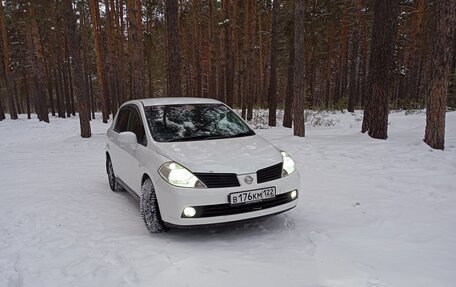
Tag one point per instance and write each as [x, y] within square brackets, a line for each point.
[381, 68]
[173, 67]
[95, 16]
[441, 56]
[136, 48]
[272, 95]
[299, 85]
[4, 50]
[76, 63]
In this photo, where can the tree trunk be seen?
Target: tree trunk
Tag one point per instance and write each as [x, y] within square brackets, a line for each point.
[99, 59]
[229, 64]
[76, 63]
[111, 80]
[70, 78]
[252, 59]
[245, 65]
[137, 48]
[413, 62]
[381, 67]
[437, 90]
[299, 84]
[27, 94]
[2, 112]
[272, 95]
[236, 58]
[362, 78]
[288, 111]
[6, 67]
[352, 96]
[121, 44]
[173, 63]
[212, 82]
[87, 92]
[221, 63]
[39, 70]
[197, 47]
[329, 59]
[58, 70]
[341, 78]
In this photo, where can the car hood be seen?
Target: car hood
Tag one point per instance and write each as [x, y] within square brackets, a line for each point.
[233, 155]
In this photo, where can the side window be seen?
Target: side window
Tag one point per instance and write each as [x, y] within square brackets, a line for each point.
[135, 125]
[122, 121]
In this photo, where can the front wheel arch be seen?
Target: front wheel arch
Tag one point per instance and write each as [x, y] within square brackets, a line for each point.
[144, 178]
[150, 210]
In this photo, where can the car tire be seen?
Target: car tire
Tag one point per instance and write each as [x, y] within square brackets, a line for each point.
[149, 208]
[113, 184]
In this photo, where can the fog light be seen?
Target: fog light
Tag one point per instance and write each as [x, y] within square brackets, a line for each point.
[189, 212]
[293, 194]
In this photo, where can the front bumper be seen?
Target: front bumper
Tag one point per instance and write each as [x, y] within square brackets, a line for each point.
[212, 204]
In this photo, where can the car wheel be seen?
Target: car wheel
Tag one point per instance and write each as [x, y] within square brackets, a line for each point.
[112, 177]
[149, 208]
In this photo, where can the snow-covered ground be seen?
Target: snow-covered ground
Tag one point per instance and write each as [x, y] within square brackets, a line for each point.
[371, 213]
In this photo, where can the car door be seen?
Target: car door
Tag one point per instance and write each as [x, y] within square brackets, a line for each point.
[116, 151]
[135, 154]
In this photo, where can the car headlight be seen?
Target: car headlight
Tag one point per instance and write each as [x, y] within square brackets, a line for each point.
[178, 175]
[288, 164]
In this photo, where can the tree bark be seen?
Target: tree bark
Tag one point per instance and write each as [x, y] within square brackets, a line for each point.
[341, 79]
[58, 69]
[197, 47]
[353, 96]
[212, 82]
[94, 13]
[85, 53]
[173, 63]
[229, 64]
[6, 67]
[111, 78]
[437, 90]
[27, 93]
[381, 67]
[299, 84]
[413, 62]
[137, 48]
[2, 112]
[38, 66]
[272, 95]
[121, 44]
[76, 63]
[329, 58]
[288, 111]
[251, 59]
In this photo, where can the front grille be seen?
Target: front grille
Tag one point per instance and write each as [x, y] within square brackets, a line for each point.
[227, 209]
[217, 180]
[269, 173]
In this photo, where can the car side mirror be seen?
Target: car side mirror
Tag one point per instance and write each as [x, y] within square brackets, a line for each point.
[128, 138]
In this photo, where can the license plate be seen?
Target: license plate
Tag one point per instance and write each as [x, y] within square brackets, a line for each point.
[252, 195]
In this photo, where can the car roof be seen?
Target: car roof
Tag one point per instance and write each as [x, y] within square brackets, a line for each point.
[177, 101]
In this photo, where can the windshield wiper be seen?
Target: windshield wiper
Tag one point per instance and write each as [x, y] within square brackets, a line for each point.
[249, 133]
[211, 137]
[198, 137]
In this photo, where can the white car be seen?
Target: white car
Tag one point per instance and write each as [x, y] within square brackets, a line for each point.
[193, 161]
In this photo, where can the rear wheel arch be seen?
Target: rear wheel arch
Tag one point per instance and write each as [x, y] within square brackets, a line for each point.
[108, 157]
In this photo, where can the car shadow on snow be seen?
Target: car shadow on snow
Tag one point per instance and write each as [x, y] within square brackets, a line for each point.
[269, 225]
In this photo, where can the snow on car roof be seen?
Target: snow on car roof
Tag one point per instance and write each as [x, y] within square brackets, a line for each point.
[177, 101]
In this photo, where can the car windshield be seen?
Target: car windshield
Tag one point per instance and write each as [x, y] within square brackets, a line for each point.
[170, 123]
